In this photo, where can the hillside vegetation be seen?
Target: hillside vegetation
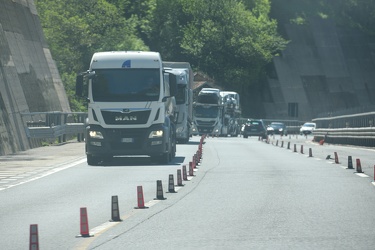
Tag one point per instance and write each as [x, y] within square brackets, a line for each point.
[232, 41]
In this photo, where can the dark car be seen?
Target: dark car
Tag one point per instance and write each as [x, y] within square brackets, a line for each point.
[278, 128]
[254, 128]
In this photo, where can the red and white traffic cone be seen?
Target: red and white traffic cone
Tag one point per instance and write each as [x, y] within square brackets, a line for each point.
[84, 223]
[359, 167]
[140, 198]
[34, 237]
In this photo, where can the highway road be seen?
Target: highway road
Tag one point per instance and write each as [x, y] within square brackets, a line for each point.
[245, 194]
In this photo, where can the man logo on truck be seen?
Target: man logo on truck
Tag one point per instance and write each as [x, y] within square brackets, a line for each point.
[125, 118]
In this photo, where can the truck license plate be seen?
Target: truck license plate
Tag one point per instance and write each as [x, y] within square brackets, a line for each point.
[127, 140]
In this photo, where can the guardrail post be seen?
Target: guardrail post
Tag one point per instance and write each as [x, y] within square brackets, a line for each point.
[58, 122]
[81, 119]
[65, 119]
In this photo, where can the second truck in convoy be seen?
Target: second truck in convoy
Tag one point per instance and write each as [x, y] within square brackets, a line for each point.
[184, 98]
[217, 112]
[131, 109]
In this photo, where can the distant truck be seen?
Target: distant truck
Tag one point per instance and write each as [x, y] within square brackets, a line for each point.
[184, 98]
[232, 113]
[208, 112]
[217, 113]
[131, 109]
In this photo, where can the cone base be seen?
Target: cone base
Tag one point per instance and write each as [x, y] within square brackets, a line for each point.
[84, 235]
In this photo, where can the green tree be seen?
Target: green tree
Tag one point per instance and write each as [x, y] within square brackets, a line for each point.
[359, 14]
[76, 29]
[230, 40]
[220, 37]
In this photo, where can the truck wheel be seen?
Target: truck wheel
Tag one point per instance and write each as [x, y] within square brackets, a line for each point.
[245, 136]
[174, 149]
[164, 158]
[92, 160]
[184, 141]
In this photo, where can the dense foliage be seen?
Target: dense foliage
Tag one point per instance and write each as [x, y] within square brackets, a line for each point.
[359, 14]
[230, 40]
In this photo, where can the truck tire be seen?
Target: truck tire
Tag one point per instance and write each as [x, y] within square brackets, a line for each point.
[184, 141]
[92, 160]
[165, 158]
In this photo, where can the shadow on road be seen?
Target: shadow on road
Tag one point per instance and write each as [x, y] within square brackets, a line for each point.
[138, 161]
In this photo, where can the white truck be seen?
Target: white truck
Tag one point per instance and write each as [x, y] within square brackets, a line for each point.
[184, 98]
[217, 113]
[232, 113]
[131, 109]
[208, 112]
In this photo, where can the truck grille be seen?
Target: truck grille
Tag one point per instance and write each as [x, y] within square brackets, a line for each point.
[205, 130]
[205, 123]
[120, 118]
[121, 139]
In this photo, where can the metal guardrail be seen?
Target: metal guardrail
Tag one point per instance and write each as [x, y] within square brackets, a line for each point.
[353, 129]
[347, 121]
[51, 125]
[55, 131]
[349, 136]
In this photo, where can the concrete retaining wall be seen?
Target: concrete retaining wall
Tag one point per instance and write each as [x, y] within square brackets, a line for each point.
[29, 80]
[324, 69]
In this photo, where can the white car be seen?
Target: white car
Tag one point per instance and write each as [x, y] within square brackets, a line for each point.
[307, 128]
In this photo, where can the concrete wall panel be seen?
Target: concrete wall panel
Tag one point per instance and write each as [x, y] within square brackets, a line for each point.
[324, 69]
[29, 80]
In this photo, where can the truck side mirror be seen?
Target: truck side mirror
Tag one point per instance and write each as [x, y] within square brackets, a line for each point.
[79, 85]
[81, 79]
[172, 84]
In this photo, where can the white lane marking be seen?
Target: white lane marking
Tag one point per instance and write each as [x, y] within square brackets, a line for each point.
[362, 175]
[52, 171]
[107, 225]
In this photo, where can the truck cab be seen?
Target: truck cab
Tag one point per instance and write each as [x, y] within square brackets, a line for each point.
[131, 109]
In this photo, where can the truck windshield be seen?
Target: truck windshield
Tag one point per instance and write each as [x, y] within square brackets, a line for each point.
[123, 85]
[206, 111]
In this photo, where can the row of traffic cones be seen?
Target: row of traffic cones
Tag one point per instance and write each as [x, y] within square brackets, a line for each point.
[182, 175]
[350, 162]
[295, 147]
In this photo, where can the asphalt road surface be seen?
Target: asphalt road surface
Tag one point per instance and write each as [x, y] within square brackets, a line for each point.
[245, 194]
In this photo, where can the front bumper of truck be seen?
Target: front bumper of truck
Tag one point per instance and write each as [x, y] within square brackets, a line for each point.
[152, 141]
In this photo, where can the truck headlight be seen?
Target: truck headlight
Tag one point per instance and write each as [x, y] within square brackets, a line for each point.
[96, 134]
[156, 134]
